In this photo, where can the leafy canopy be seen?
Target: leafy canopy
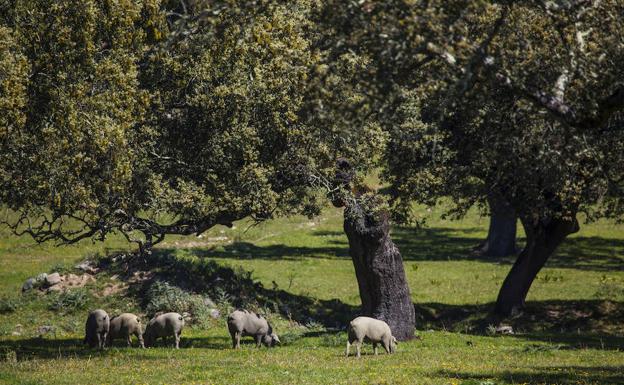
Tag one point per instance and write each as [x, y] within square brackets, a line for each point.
[151, 118]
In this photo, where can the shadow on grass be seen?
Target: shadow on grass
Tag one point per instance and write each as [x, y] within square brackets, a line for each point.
[583, 324]
[237, 287]
[247, 250]
[443, 244]
[212, 342]
[208, 277]
[48, 348]
[558, 322]
[562, 375]
[52, 348]
[433, 244]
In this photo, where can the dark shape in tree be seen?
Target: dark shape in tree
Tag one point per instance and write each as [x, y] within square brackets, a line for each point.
[377, 261]
[501, 238]
[543, 238]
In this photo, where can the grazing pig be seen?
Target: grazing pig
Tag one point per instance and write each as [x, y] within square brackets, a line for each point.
[96, 328]
[374, 330]
[124, 326]
[164, 325]
[244, 323]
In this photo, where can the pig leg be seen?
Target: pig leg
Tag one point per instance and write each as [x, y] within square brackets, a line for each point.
[387, 345]
[140, 338]
[236, 336]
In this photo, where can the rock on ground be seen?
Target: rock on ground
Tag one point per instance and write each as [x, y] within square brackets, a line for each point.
[29, 284]
[53, 279]
[87, 267]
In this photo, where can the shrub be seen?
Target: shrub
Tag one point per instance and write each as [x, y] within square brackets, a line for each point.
[61, 268]
[69, 301]
[161, 296]
[8, 305]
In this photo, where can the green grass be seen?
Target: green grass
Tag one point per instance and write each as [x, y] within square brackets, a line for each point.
[573, 332]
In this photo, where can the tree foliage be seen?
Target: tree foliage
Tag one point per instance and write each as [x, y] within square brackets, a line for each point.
[481, 130]
[522, 101]
[152, 118]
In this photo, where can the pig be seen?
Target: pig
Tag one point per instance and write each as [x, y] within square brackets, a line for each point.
[164, 325]
[372, 329]
[124, 326]
[97, 328]
[244, 323]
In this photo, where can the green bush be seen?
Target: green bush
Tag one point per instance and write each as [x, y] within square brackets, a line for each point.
[163, 297]
[69, 301]
[62, 268]
[8, 305]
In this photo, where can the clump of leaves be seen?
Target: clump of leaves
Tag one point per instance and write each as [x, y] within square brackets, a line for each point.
[164, 297]
[69, 301]
[610, 290]
[290, 336]
[8, 305]
[334, 339]
[62, 268]
[550, 277]
[293, 334]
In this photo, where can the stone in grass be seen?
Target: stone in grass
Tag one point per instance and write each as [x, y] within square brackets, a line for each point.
[215, 313]
[41, 277]
[53, 279]
[504, 329]
[87, 267]
[46, 329]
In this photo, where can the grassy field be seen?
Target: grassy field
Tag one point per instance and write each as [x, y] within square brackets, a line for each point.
[299, 272]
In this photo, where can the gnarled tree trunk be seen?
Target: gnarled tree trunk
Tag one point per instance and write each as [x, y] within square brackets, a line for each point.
[543, 238]
[379, 269]
[501, 238]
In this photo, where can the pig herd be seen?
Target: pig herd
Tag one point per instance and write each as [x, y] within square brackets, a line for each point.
[101, 330]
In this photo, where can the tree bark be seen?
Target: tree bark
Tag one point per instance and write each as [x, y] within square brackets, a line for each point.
[543, 238]
[379, 270]
[501, 238]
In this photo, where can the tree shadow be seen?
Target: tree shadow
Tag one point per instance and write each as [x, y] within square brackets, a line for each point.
[247, 250]
[212, 342]
[562, 375]
[444, 244]
[559, 322]
[49, 348]
[432, 244]
[237, 286]
[590, 253]
[205, 276]
[53, 348]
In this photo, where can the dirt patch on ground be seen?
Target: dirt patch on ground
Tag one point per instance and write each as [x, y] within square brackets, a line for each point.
[196, 243]
[111, 289]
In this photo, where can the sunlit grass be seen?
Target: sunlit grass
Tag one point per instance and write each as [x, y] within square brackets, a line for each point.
[310, 258]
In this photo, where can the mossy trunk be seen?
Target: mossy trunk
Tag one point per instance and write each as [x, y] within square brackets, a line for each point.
[542, 241]
[501, 238]
[379, 270]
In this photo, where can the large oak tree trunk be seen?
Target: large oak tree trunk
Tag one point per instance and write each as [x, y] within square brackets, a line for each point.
[379, 269]
[543, 238]
[501, 238]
